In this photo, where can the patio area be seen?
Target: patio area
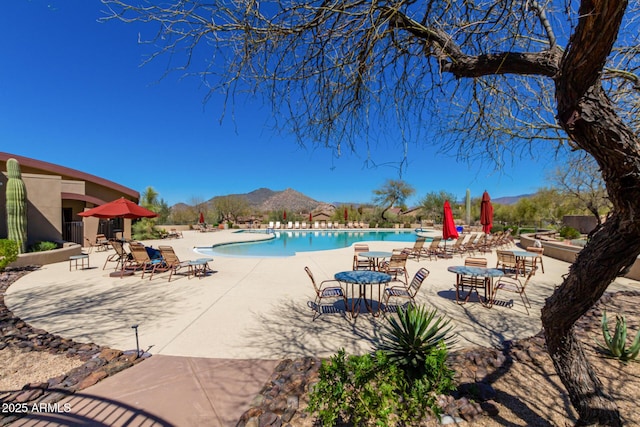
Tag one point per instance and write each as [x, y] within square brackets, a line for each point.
[250, 308]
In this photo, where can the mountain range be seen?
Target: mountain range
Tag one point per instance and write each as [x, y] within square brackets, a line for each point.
[265, 199]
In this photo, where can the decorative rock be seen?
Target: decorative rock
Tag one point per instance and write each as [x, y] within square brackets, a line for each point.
[109, 354]
[269, 419]
[91, 379]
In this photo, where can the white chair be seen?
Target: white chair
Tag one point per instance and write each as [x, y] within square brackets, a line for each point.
[290, 225]
[277, 226]
[297, 225]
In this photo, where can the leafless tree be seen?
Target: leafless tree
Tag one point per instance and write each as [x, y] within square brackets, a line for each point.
[493, 76]
[581, 178]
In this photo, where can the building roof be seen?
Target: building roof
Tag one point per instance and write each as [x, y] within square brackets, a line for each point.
[68, 173]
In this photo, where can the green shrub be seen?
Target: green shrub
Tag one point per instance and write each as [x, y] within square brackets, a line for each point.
[8, 252]
[370, 389]
[44, 246]
[398, 384]
[616, 345]
[569, 233]
[410, 340]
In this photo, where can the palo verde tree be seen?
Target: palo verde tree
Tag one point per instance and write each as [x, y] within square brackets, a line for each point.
[493, 77]
[394, 192]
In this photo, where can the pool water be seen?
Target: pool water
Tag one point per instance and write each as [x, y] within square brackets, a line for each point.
[287, 243]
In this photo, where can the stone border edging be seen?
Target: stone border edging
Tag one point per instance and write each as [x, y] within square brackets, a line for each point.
[100, 362]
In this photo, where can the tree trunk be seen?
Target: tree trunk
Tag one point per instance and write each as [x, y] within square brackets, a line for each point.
[589, 118]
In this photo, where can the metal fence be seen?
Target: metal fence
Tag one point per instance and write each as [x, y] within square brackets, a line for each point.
[73, 232]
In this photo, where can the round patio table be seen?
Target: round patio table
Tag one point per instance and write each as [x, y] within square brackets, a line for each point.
[488, 274]
[364, 279]
[375, 257]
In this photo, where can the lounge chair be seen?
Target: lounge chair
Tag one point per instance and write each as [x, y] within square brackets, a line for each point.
[120, 257]
[304, 225]
[171, 260]
[277, 226]
[336, 225]
[174, 234]
[270, 225]
[323, 291]
[417, 249]
[316, 224]
[290, 225]
[407, 292]
[297, 225]
[142, 261]
[434, 249]
[329, 224]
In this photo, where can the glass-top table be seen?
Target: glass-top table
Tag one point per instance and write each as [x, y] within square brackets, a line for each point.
[365, 279]
[375, 257]
[484, 277]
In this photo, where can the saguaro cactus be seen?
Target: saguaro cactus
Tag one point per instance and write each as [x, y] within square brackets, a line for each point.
[467, 207]
[16, 205]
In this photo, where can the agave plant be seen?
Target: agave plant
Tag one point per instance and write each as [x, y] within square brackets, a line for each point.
[413, 336]
[616, 345]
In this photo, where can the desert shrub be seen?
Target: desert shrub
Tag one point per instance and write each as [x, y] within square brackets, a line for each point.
[397, 385]
[412, 338]
[43, 246]
[616, 345]
[496, 228]
[371, 389]
[569, 233]
[8, 252]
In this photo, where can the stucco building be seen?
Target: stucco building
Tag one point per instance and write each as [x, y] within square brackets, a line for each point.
[55, 196]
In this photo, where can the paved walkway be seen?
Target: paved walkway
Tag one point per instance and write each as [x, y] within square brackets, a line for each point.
[233, 326]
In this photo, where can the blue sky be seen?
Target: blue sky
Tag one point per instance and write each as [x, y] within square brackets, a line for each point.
[73, 92]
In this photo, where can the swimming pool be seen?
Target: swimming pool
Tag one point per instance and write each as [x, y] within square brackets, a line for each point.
[288, 242]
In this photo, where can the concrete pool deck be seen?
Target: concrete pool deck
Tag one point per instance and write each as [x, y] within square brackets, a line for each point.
[246, 309]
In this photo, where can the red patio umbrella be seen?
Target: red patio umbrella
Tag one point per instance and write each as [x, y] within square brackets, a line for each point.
[120, 208]
[486, 213]
[284, 215]
[346, 214]
[201, 219]
[310, 217]
[448, 226]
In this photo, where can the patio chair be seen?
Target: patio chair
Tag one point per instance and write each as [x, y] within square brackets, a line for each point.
[323, 291]
[511, 284]
[473, 283]
[297, 225]
[397, 265]
[508, 263]
[171, 260]
[142, 261]
[407, 292]
[358, 262]
[537, 260]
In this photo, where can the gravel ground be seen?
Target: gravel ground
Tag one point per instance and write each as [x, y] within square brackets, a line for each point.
[19, 367]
